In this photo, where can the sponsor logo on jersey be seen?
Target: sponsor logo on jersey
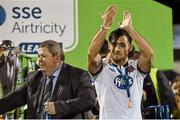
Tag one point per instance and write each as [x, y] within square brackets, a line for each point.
[123, 81]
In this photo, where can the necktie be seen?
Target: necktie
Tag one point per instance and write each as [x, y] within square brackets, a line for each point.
[46, 97]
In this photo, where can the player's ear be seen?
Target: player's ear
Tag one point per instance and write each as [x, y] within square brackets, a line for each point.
[131, 48]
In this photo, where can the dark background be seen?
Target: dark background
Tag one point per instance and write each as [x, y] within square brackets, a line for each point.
[175, 5]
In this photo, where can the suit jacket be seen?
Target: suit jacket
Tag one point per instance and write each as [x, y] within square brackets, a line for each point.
[73, 94]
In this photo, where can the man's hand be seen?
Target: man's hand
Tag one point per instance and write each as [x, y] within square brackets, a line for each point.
[108, 15]
[50, 108]
[126, 22]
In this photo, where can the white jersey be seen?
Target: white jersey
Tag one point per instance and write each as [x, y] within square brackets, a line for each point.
[112, 95]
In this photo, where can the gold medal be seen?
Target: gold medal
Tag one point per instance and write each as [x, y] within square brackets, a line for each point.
[130, 104]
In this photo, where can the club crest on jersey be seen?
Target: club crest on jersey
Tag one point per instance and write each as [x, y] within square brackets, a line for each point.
[120, 81]
[130, 68]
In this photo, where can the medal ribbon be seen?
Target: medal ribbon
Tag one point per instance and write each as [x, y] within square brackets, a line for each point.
[125, 77]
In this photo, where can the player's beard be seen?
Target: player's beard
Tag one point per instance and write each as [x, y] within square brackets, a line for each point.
[117, 58]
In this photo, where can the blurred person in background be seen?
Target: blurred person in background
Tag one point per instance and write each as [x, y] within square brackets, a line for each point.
[9, 69]
[176, 91]
[157, 91]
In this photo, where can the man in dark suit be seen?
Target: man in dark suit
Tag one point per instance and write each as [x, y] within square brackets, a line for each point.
[72, 93]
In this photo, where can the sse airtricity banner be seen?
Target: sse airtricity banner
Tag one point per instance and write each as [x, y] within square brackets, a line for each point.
[74, 23]
[29, 22]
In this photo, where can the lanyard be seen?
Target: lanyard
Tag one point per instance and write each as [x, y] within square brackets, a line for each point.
[125, 78]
